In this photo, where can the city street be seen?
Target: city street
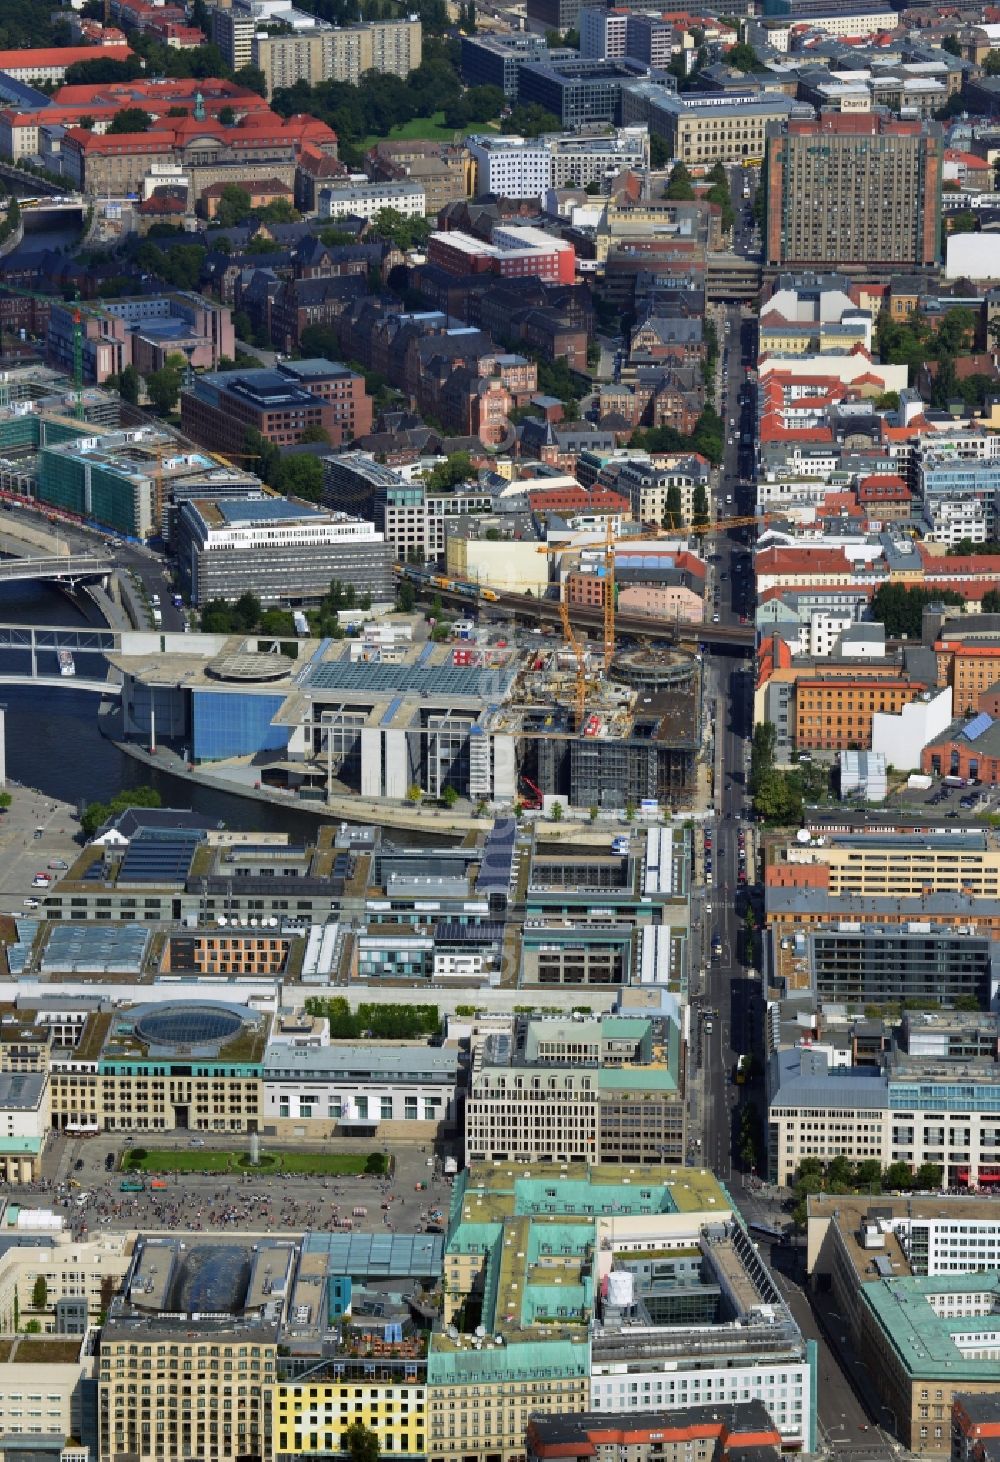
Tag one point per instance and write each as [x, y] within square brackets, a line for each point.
[730, 994]
[149, 567]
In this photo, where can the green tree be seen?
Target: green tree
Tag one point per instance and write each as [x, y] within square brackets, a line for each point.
[528, 119]
[898, 1175]
[673, 514]
[300, 477]
[991, 601]
[928, 1175]
[246, 610]
[316, 433]
[406, 233]
[557, 812]
[163, 387]
[130, 119]
[700, 516]
[659, 152]
[261, 456]
[39, 1293]
[950, 44]
[414, 794]
[374, 1167]
[102, 71]
[98, 813]
[945, 385]
[680, 188]
[252, 78]
[277, 622]
[455, 469]
[992, 63]
[406, 597]
[234, 206]
[129, 385]
[227, 116]
[280, 210]
[449, 796]
[743, 57]
[900, 608]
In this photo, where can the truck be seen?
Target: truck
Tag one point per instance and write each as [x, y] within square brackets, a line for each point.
[919, 782]
[157, 618]
[300, 622]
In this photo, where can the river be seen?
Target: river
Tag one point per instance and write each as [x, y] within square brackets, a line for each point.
[52, 738]
[53, 742]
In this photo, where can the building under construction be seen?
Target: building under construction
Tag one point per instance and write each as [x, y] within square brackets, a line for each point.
[128, 479]
[381, 714]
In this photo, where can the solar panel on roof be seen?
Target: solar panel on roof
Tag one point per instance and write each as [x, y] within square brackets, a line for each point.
[977, 726]
[391, 710]
[373, 677]
[498, 856]
[159, 860]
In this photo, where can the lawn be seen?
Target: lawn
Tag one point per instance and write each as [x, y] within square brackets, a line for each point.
[430, 129]
[209, 1160]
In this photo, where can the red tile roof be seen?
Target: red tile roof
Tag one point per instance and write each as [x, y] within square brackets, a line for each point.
[577, 500]
[805, 561]
[61, 56]
[883, 487]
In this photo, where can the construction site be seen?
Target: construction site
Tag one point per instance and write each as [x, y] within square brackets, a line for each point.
[496, 716]
[89, 457]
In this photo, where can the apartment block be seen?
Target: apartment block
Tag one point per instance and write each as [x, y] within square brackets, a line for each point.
[906, 1105]
[856, 192]
[701, 128]
[412, 519]
[835, 712]
[283, 551]
[648, 486]
[220, 408]
[511, 167]
[923, 1331]
[699, 1434]
[553, 1090]
[316, 52]
[175, 1381]
[557, 1256]
[894, 864]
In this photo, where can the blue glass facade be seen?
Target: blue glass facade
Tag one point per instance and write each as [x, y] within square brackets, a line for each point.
[230, 724]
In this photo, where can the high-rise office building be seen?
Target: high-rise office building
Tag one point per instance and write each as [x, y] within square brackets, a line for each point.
[853, 192]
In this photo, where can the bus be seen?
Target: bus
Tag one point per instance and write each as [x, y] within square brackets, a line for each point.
[132, 1185]
[742, 1070]
[767, 1231]
[716, 945]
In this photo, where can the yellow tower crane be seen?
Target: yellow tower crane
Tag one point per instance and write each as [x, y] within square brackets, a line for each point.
[611, 539]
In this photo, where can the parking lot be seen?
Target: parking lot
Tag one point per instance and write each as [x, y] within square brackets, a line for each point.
[953, 799]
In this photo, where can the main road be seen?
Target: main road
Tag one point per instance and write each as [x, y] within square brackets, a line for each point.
[729, 1004]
